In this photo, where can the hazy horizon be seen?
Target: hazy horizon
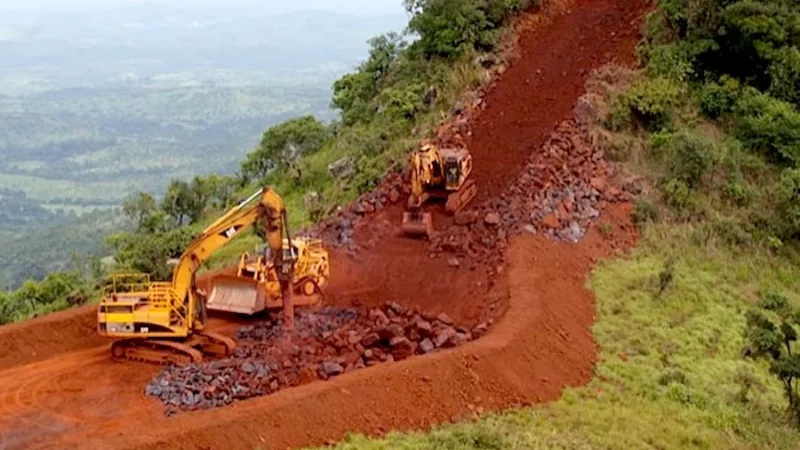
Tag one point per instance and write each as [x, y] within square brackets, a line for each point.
[352, 7]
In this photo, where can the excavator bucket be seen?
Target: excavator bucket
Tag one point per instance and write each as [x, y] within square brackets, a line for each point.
[235, 294]
[417, 224]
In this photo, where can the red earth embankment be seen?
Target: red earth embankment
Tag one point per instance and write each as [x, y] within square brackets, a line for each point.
[47, 336]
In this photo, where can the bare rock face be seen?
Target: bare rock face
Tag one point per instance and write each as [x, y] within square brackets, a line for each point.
[341, 168]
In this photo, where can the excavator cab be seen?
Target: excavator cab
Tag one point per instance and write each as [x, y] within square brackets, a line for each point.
[452, 173]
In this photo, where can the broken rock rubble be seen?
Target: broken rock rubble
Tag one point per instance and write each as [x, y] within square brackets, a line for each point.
[324, 344]
[560, 192]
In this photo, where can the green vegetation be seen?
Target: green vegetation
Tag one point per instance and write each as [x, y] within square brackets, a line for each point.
[51, 248]
[57, 291]
[772, 332]
[67, 146]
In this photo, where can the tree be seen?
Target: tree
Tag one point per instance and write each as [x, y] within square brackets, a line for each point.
[141, 208]
[183, 203]
[448, 28]
[772, 330]
[202, 191]
[223, 190]
[354, 93]
[149, 252]
[282, 145]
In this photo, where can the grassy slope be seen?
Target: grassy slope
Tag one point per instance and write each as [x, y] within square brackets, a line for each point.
[669, 369]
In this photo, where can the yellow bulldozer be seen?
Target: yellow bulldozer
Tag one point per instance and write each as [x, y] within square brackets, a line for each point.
[439, 173]
[256, 273]
[164, 322]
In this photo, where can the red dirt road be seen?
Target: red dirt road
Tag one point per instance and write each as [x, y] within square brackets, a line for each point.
[58, 389]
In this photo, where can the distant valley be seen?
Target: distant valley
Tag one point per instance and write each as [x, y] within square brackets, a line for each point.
[97, 106]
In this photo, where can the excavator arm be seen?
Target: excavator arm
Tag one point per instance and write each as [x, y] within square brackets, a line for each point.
[415, 222]
[264, 203]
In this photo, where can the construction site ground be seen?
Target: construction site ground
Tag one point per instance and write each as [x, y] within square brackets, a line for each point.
[60, 389]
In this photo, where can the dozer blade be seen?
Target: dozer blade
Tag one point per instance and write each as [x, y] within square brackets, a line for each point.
[459, 199]
[235, 294]
[417, 224]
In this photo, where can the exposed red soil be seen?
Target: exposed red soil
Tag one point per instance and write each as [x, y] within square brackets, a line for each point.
[65, 397]
[45, 337]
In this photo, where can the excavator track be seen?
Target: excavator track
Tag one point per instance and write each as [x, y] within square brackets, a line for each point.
[213, 344]
[161, 352]
[459, 199]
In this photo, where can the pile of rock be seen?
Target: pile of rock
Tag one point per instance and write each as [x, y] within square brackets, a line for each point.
[337, 228]
[561, 191]
[213, 384]
[324, 344]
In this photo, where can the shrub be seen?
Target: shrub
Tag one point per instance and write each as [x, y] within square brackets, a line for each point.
[734, 191]
[769, 126]
[717, 99]
[676, 194]
[688, 155]
[784, 73]
[772, 331]
[692, 157]
[670, 61]
[402, 103]
[647, 102]
[644, 211]
[732, 232]
[789, 202]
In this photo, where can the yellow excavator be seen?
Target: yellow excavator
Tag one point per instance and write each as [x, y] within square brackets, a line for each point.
[441, 173]
[164, 322]
[256, 272]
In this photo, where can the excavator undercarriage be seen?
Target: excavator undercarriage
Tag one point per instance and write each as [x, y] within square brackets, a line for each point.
[163, 351]
[149, 326]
